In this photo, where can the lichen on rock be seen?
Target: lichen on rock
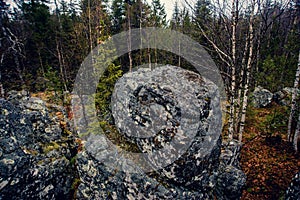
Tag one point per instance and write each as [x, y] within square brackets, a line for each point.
[174, 117]
[35, 153]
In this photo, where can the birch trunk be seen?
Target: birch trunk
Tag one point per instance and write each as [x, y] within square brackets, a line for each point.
[1, 86]
[90, 26]
[141, 35]
[296, 135]
[248, 73]
[241, 85]
[294, 97]
[231, 130]
[129, 37]
[61, 66]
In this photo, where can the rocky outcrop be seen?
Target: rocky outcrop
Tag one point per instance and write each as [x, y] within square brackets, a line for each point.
[293, 192]
[170, 116]
[36, 150]
[261, 97]
[173, 117]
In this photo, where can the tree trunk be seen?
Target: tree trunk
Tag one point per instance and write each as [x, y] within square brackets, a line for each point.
[296, 135]
[61, 66]
[231, 130]
[241, 85]
[294, 103]
[90, 26]
[59, 51]
[129, 37]
[249, 68]
[1, 86]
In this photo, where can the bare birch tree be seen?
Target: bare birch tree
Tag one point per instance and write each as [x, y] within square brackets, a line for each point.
[296, 134]
[129, 33]
[294, 137]
[248, 73]
[232, 110]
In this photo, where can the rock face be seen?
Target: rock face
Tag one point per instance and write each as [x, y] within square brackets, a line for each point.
[293, 192]
[173, 117]
[261, 97]
[35, 151]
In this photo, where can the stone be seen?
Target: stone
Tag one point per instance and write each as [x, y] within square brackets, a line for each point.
[231, 178]
[284, 96]
[261, 97]
[35, 153]
[293, 192]
[173, 117]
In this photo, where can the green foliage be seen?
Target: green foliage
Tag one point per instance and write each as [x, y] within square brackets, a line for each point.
[202, 11]
[273, 73]
[159, 16]
[276, 121]
[73, 160]
[118, 15]
[53, 83]
[105, 89]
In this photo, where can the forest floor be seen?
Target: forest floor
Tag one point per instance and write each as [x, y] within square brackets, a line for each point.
[267, 158]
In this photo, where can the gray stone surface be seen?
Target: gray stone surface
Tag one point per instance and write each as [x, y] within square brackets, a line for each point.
[284, 96]
[35, 152]
[171, 115]
[293, 192]
[153, 109]
[261, 97]
[231, 178]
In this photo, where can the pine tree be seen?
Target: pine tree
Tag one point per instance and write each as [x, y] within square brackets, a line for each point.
[40, 39]
[176, 18]
[158, 16]
[118, 15]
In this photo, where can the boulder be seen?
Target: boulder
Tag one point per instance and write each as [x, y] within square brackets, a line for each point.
[35, 151]
[293, 192]
[261, 97]
[284, 96]
[173, 117]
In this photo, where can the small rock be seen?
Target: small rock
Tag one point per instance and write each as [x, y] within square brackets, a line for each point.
[284, 96]
[293, 192]
[261, 97]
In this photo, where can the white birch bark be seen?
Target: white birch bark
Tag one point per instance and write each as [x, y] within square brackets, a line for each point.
[296, 135]
[294, 97]
[1, 86]
[129, 37]
[231, 130]
[241, 85]
[248, 73]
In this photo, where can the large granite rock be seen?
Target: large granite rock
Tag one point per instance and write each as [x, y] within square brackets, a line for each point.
[261, 97]
[35, 151]
[173, 117]
[293, 192]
